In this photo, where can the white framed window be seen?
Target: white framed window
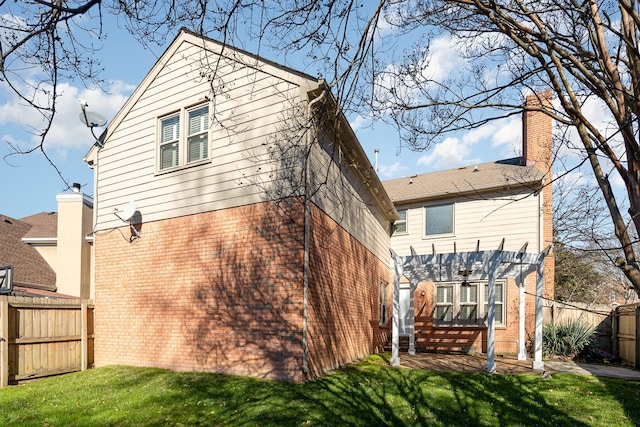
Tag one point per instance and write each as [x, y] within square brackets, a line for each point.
[438, 220]
[499, 317]
[401, 224]
[384, 305]
[183, 137]
[444, 304]
[466, 303]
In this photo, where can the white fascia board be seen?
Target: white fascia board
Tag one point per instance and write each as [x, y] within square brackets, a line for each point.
[41, 241]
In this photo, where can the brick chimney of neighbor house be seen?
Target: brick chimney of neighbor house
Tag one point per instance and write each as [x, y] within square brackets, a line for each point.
[537, 150]
[75, 221]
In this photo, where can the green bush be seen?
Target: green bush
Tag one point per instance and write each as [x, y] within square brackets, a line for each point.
[567, 339]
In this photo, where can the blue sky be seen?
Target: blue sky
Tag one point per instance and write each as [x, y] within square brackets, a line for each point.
[29, 184]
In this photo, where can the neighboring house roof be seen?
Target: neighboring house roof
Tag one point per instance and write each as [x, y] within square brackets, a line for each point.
[29, 266]
[44, 225]
[479, 178]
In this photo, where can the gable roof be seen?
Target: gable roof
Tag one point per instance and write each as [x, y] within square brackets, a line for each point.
[29, 266]
[491, 176]
[187, 36]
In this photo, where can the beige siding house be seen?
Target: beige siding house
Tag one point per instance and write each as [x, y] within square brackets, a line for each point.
[231, 235]
[51, 252]
[503, 204]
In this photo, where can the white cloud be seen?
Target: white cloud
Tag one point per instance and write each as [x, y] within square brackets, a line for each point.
[392, 170]
[443, 59]
[22, 124]
[450, 153]
[359, 121]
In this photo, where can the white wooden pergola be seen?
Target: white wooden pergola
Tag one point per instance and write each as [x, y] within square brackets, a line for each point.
[477, 265]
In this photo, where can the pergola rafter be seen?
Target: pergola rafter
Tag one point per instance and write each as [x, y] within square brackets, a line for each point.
[476, 265]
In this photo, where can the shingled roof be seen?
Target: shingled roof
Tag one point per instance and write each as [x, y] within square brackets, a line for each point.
[43, 225]
[480, 178]
[29, 266]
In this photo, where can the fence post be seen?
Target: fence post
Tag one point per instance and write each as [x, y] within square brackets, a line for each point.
[4, 342]
[84, 341]
[637, 352]
[615, 319]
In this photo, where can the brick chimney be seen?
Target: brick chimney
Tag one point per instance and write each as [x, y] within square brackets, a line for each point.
[537, 151]
[537, 133]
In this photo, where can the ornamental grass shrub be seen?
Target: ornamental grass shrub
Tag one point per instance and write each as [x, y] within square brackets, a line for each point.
[566, 339]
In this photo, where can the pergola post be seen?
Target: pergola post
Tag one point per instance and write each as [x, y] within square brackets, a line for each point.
[395, 329]
[412, 320]
[538, 364]
[522, 350]
[491, 268]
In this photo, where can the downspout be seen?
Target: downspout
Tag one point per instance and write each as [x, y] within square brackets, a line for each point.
[307, 218]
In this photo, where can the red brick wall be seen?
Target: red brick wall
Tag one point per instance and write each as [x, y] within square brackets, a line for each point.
[344, 291]
[219, 291]
[223, 292]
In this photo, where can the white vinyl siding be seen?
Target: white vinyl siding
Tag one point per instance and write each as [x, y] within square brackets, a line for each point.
[466, 303]
[252, 110]
[254, 107]
[488, 219]
[339, 192]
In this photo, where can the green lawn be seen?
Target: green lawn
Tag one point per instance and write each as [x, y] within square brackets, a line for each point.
[366, 394]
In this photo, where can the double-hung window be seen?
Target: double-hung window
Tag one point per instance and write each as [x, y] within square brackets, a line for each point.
[438, 220]
[184, 137]
[401, 224]
[467, 303]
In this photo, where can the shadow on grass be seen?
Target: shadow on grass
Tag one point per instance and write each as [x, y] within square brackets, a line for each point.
[369, 393]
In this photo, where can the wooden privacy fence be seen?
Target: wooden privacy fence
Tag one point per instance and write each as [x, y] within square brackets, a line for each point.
[597, 315]
[626, 333]
[41, 337]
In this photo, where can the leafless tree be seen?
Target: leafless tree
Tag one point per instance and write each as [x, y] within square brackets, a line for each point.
[377, 57]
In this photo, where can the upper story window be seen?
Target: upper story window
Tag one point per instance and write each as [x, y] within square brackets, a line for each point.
[438, 219]
[177, 148]
[401, 224]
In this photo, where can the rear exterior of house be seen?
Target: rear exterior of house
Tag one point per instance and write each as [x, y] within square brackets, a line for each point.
[505, 204]
[253, 248]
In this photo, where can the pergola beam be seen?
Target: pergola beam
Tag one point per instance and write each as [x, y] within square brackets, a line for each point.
[476, 265]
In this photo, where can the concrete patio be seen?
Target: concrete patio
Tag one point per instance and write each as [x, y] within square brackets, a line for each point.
[509, 365]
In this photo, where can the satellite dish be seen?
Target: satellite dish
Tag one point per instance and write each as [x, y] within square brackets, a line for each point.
[129, 210]
[92, 119]
[127, 213]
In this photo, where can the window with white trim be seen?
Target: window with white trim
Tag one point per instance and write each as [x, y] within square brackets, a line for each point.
[466, 303]
[438, 220]
[177, 148]
[401, 224]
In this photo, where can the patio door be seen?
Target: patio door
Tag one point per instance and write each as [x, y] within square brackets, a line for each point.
[405, 313]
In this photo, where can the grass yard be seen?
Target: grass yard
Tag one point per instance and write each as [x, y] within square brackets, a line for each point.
[369, 393]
